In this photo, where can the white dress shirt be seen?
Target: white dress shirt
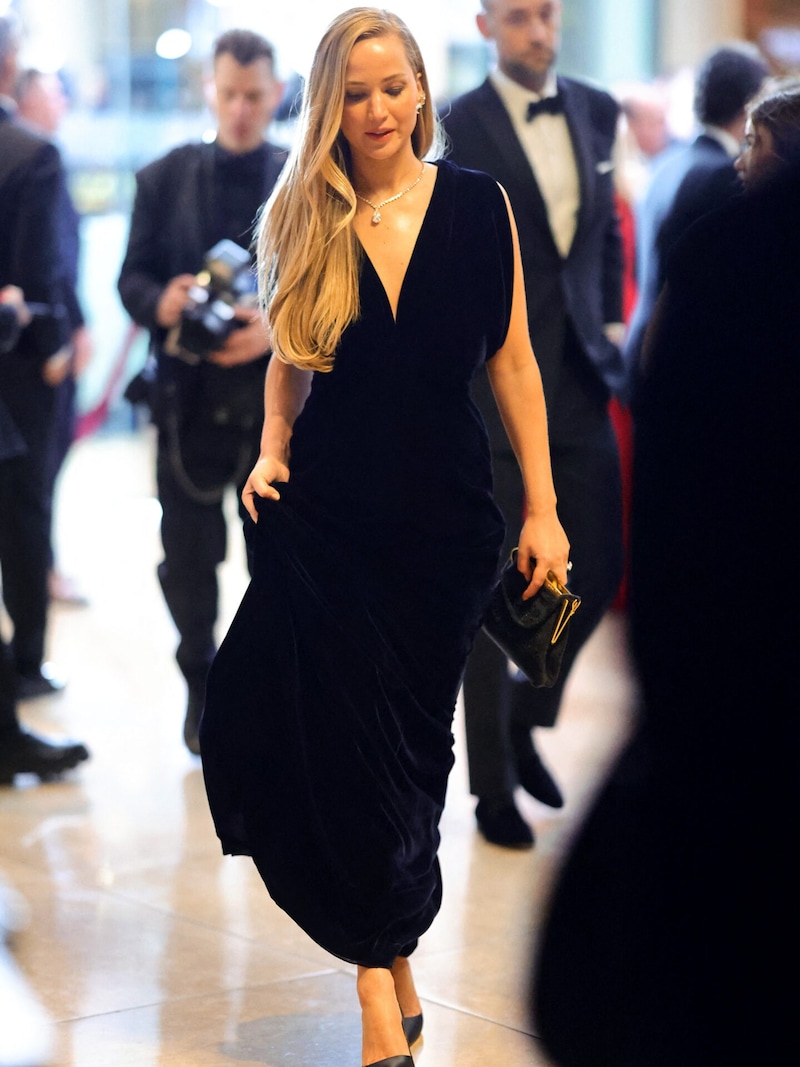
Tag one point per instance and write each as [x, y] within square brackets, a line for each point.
[727, 140]
[548, 146]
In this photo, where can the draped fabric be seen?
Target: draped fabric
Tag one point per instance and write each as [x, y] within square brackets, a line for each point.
[326, 736]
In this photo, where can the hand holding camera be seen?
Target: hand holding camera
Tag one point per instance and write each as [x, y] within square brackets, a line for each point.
[214, 316]
[173, 300]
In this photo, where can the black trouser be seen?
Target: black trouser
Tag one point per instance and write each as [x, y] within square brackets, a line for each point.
[588, 487]
[25, 520]
[192, 478]
[8, 702]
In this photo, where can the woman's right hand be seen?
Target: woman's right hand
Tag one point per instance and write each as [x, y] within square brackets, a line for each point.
[266, 471]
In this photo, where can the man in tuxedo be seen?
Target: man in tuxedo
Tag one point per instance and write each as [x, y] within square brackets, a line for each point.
[696, 180]
[207, 404]
[549, 141]
[31, 175]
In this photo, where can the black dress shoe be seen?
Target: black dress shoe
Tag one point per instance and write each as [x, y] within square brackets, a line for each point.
[532, 774]
[26, 753]
[501, 824]
[412, 1028]
[191, 724]
[394, 1061]
[40, 682]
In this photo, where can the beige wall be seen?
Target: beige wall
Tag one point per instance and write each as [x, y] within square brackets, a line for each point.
[691, 28]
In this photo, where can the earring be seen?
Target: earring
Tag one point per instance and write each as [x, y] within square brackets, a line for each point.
[421, 103]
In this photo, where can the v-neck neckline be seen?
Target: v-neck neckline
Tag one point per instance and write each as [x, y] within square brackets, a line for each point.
[394, 312]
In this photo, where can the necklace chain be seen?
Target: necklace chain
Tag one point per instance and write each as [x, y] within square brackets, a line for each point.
[376, 208]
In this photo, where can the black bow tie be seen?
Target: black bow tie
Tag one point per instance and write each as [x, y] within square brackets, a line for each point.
[548, 105]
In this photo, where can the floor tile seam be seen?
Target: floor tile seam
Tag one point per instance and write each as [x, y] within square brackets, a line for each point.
[199, 923]
[450, 1006]
[487, 943]
[159, 909]
[186, 998]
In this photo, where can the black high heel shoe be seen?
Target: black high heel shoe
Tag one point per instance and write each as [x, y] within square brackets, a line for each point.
[412, 1028]
[394, 1061]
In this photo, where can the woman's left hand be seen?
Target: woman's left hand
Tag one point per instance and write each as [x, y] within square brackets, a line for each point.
[542, 541]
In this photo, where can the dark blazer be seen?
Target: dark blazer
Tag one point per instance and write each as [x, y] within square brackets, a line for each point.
[9, 328]
[176, 220]
[171, 228]
[69, 243]
[586, 287]
[689, 185]
[69, 222]
[31, 175]
[10, 441]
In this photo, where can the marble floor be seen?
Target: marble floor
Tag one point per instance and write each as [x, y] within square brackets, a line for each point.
[144, 946]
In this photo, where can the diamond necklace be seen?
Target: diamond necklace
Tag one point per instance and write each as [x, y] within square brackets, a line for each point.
[376, 208]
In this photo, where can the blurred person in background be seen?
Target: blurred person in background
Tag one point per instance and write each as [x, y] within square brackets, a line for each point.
[21, 751]
[42, 104]
[207, 396]
[668, 936]
[646, 139]
[696, 180]
[31, 180]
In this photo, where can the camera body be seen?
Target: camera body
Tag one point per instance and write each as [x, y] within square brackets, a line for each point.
[208, 319]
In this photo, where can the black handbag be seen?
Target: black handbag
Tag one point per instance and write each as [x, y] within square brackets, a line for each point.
[533, 633]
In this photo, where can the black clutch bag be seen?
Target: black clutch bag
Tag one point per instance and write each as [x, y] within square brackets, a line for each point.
[533, 633]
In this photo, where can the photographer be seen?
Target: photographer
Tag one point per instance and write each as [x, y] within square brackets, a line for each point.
[207, 394]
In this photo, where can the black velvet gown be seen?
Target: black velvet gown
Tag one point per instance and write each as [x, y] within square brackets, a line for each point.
[326, 736]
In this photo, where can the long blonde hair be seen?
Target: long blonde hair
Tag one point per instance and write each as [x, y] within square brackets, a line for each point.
[308, 256]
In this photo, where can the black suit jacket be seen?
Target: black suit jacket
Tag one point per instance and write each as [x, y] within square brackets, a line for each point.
[9, 328]
[585, 289]
[10, 441]
[170, 229]
[688, 186]
[175, 222]
[31, 175]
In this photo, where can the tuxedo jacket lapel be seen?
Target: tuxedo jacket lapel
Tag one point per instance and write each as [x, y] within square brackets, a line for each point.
[580, 130]
[492, 114]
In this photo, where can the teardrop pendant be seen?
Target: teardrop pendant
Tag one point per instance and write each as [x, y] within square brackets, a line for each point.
[376, 208]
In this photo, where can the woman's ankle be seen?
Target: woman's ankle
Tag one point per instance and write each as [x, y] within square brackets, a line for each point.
[381, 1019]
[404, 987]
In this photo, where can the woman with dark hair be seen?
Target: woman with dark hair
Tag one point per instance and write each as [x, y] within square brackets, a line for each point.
[387, 282]
[772, 134]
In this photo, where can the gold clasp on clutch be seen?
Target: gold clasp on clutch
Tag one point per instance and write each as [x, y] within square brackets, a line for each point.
[553, 583]
[568, 609]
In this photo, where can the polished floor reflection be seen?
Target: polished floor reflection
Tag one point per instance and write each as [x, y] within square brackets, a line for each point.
[146, 947]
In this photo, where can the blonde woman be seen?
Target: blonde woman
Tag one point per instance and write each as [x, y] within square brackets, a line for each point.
[387, 282]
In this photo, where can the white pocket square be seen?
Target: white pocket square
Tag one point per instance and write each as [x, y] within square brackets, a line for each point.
[604, 167]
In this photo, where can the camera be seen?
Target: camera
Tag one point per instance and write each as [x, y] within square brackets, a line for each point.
[208, 320]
